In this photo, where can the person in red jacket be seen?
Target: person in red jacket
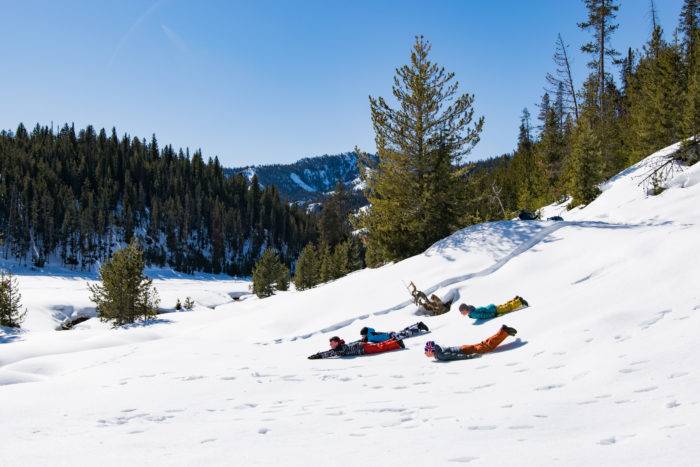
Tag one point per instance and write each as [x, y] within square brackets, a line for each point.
[340, 349]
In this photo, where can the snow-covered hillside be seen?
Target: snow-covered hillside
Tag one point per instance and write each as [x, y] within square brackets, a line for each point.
[602, 372]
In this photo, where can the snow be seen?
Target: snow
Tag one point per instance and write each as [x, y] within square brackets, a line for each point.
[602, 370]
[295, 178]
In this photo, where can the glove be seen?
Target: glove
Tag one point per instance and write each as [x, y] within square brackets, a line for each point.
[314, 357]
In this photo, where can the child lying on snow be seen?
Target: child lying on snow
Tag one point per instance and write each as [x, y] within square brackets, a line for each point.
[491, 311]
[370, 335]
[468, 351]
[340, 349]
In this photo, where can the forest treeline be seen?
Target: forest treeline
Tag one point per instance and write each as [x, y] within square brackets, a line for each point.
[76, 197]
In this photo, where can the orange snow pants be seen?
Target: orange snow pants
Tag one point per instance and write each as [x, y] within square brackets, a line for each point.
[486, 346]
[385, 346]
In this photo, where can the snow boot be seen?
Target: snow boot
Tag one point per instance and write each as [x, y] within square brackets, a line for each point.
[510, 331]
[522, 300]
[423, 327]
[401, 344]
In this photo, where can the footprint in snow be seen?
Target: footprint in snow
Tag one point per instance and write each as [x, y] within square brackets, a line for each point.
[677, 375]
[247, 405]
[549, 387]
[263, 431]
[482, 427]
[647, 389]
[607, 441]
[672, 405]
[628, 370]
[227, 378]
[483, 386]
[192, 378]
[208, 440]
[462, 460]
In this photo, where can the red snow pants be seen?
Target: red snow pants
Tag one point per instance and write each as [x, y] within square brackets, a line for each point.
[486, 346]
[385, 346]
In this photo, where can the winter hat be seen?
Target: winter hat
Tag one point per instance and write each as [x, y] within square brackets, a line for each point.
[466, 308]
[429, 346]
[337, 339]
[363, 331]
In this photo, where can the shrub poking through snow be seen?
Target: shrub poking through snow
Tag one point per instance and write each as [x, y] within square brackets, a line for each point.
[189, 304]
[11, 314]
[178, 305]
[125, 293]
[269, 274]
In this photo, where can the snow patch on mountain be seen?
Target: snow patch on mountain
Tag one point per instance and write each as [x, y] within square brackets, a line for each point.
[295, 178]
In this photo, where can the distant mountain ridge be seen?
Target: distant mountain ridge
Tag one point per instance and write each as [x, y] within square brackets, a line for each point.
[308, 179]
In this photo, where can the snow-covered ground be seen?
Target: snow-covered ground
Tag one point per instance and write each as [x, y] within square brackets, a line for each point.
[603, 369]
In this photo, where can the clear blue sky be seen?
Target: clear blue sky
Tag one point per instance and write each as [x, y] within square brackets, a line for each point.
[272, 81]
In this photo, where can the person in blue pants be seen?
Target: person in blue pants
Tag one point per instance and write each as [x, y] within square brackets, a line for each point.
[370, 335]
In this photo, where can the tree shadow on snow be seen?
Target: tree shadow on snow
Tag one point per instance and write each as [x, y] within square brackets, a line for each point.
[146, 323]
[8, 335]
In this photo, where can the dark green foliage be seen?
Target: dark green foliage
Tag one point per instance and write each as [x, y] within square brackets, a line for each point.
[189, 304]
[11, 314]
[125, 293]
[333, 225]
[306, 274]
[269, 274]
[82, 194]
[178, 305]
[415, 192]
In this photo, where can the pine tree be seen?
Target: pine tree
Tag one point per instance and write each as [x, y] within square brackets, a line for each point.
[601, 16]
[562, 81]
[325, 263]
[691, 111]
[414, 192]
[306, 274]
[125, 293]
[333, 223]
[269, 274]
[653, 98]
[341, 253]
[584, 164]
[11, 314]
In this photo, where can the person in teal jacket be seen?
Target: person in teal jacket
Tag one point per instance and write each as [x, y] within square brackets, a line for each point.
[370, 335]
[491, 311]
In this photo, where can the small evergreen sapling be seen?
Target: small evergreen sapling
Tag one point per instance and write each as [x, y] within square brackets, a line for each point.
[11, 314]
[269, 275]
[125, 293]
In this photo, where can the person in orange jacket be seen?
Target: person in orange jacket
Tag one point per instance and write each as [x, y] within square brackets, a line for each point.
[432, 350]
[340, 349]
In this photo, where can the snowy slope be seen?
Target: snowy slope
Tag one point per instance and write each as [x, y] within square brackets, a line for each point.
[602, 372]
